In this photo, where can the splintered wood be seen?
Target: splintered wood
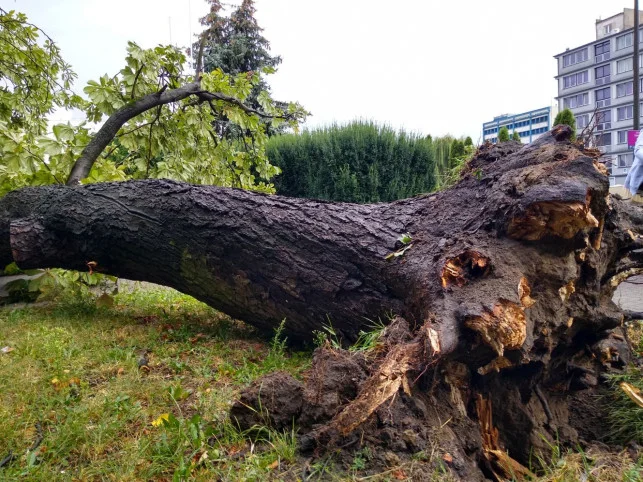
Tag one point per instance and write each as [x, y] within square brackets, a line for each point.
[501, 464]
[505, 326]
[389, 377]
[502, 327]
[464, 267]
[553, 218]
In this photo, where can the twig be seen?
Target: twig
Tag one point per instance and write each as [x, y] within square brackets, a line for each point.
[39, 437]
[543, 401]
[149, 141]
[44, 164]
[138, 73]
[8, 459]
[633, 315]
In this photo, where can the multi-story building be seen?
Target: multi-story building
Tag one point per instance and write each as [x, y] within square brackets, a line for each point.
[595, 81]
[529, 125]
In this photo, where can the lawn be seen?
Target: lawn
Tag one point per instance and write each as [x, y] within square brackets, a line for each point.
[140, 390]
[136, 391]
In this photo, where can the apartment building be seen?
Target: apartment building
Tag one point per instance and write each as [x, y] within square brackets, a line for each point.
[595, 81]
[529, 125]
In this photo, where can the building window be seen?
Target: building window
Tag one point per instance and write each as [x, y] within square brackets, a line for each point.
[624, 89]
[604, 139]
[624, 65]
[602, 94]
[603, 71]
[575, 58]
[582, 121]
[576, 100]
[624, 41]
[575, 79]
[625, 160]
[621, 137]
[602, 48]
[603, 116]
[625, 112]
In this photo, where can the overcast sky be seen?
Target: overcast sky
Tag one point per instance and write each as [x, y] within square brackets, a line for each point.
[434, 67]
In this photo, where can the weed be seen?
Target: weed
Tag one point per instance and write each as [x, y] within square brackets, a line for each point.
[322, 469]
[361, 459]
[368, 340]
[327, 337]
[625, 416]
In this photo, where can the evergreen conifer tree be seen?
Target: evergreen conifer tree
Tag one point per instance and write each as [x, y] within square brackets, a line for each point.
[566, 117]
[503, 134]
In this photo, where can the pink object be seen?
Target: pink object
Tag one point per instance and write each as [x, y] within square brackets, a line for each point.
[632, 136]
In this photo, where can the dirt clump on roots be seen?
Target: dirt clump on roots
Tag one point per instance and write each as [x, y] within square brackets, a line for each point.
[405, 427]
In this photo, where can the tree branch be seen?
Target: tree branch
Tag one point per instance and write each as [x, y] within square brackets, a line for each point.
[199, 59]
[110, 128]
[149, 141]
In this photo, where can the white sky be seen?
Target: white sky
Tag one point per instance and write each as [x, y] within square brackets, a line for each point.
[432, 66]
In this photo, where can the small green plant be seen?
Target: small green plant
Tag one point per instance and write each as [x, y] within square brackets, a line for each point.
[515, 136]
[361, 459]
[405, 238]
[278, 342]
[503, 134]
[368, 340]
[477, 174]
[322, 469]
[320, 338]
[178, 393]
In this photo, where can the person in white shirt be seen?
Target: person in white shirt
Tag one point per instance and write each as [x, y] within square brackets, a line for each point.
[634, 179]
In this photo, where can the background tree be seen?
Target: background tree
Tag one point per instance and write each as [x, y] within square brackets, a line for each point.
[468, 141]
[456, 152]
[151, 97]
[35, 80]
[503, 134]
[235, 45]
[359, 162]
[515, 136]
[442, 154]
[566, 117]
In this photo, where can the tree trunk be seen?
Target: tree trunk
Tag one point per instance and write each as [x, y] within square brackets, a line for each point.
[503, 292]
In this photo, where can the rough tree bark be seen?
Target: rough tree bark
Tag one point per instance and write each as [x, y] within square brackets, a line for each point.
[502, 298]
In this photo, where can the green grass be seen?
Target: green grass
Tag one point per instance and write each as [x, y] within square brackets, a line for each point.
[626, 416]
[74, 369]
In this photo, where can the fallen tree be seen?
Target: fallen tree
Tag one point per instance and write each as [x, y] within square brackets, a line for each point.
[500, 289]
